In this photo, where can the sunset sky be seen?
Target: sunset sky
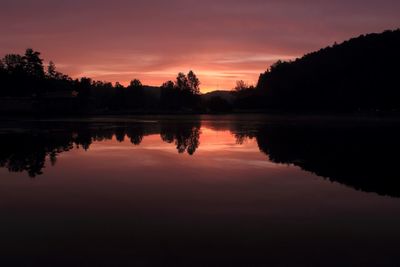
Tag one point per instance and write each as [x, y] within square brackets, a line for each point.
[152, 40]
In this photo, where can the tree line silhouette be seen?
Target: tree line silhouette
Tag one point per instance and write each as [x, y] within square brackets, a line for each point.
[358, 75]
[26, 77]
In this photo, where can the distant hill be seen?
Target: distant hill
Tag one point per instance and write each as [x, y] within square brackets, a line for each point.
[359, 74]
[226, 95]
[155, 91]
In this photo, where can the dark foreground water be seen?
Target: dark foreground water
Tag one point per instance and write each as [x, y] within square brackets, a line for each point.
[206, 191]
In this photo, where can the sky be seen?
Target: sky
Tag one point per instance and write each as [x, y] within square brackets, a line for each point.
[222, 41]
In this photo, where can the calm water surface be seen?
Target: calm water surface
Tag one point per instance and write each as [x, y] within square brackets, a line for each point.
[206, 191]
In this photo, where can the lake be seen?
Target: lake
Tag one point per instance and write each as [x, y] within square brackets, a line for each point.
[245, 190]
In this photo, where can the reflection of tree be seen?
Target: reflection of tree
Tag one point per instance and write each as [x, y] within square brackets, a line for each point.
[83, 138]
[242, 136]
[362, 157]
[28, 150]
[25, 152]
[186, 136]
[120, 134]
[136, 133]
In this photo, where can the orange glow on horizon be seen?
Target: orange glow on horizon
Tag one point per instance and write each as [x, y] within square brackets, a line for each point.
[221, 41]
[220, 75]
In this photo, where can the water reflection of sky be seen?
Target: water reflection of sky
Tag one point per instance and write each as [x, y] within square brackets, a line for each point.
[226, 201]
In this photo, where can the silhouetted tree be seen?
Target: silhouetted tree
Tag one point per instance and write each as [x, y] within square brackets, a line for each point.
[193, 83]
[183, 94]
[136, 84]
[14, 64]
[33, 64]
[134, 95]
[182, 82]
[52, 72]
[246, 96]
[241, 86]
[52, 92]
[170, 97]
[359, 74]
